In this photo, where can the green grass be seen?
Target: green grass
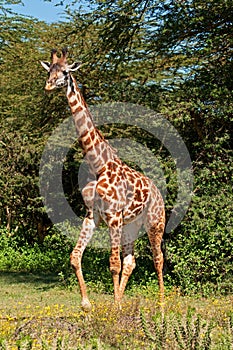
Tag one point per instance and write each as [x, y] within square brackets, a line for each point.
[36, 312]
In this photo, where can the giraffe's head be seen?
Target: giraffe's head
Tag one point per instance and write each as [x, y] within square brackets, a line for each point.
[59, 70]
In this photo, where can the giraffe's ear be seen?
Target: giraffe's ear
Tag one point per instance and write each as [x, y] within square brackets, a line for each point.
[46, 65]
[74, 66]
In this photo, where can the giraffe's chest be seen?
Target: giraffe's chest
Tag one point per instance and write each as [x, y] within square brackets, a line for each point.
[122, 189]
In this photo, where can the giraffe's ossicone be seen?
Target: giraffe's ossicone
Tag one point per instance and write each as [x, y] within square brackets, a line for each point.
[124, 198]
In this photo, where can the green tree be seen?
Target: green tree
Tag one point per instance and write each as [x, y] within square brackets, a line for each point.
[26, 120]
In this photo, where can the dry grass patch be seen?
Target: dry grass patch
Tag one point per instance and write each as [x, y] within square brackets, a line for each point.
[35, 313]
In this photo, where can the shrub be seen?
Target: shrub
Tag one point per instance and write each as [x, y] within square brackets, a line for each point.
[199, 253]
[52, 255]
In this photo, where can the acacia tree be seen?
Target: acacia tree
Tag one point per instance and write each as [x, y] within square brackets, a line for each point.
[27, 118]
[19, 108]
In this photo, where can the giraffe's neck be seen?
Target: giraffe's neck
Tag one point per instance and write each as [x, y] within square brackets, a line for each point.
[96, 149]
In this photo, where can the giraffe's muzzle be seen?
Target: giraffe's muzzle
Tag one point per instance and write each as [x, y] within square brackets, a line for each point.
[49, 87]
[58, 84]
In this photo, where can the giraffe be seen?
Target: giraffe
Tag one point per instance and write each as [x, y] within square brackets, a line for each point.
[122, 197]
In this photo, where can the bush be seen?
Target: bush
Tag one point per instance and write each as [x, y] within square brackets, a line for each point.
[51, 255]
[200, 252]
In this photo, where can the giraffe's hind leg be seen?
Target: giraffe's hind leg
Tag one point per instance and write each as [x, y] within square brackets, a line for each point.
[129, 265]
[129, 235]
[155, 230]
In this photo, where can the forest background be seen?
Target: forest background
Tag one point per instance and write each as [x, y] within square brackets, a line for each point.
[174, 57]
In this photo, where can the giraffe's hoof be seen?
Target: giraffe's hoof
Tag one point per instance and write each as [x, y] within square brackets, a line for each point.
[117, 304]
[86, 305]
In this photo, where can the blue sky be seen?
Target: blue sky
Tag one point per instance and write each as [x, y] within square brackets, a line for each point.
[45, 11]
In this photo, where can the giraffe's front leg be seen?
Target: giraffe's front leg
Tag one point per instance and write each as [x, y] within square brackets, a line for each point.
[86, 233]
